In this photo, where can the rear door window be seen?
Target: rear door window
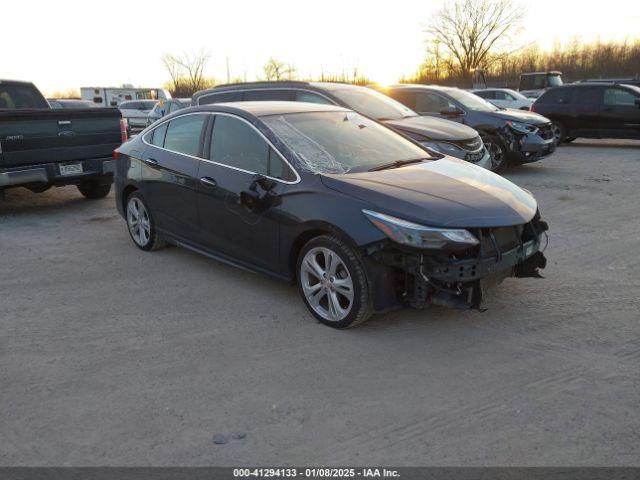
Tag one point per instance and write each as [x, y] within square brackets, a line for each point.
[588, 96]
[263, 95]
[183, 134]
[487, 95]
[220, 98]
[431, 102]
[556, 96]
[405, 97]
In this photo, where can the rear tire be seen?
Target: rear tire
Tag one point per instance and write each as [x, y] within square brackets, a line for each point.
[559, 133]
[94, 189]
[332, 282]
[141, 225]
[498, 152]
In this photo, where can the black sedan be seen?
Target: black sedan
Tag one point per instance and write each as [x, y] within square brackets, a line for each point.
[361, 218]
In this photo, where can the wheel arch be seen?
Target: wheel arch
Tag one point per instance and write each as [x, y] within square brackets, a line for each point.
[311, 231]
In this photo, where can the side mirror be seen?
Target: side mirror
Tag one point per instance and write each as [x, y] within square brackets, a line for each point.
[250, 199]
[265, 183]
[451, 112]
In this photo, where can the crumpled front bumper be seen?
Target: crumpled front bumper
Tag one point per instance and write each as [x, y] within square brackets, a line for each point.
[457, 279]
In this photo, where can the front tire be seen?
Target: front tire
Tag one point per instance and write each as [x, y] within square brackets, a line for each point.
[333, 283]
[498, 152]
[94, 189]
[140, 223]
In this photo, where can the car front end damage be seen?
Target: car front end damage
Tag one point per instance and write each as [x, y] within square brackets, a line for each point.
[455, 275]
[528, 143]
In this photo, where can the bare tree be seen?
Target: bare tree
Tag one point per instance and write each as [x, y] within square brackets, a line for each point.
[471, 33]
[187, 70]
[277, 70]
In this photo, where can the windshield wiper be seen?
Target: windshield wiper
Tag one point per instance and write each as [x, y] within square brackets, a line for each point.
[397, 164]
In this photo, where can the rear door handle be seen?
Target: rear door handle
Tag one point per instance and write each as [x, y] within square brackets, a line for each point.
[210, 182]
[151, 161]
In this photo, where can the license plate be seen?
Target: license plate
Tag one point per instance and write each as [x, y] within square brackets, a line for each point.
[71, 169]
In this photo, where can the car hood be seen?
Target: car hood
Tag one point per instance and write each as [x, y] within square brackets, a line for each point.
[441, 193]
[433, 128]
[520, 116]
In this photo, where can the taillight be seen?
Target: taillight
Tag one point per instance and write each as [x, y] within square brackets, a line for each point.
[123, 130]
[115, 154]
[533, 108]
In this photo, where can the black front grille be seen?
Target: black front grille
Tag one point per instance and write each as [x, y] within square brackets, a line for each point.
[474, 157]
[546, 131]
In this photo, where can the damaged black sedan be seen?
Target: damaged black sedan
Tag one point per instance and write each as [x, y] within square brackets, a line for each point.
[362, 219]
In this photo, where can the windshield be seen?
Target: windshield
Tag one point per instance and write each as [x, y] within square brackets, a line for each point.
[21, 96]
[471, 101]
[373, 104]
[340, 142]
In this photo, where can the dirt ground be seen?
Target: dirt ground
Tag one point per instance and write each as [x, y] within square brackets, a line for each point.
[112, 356]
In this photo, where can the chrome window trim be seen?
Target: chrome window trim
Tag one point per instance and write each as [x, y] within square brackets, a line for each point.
[287, 182]
[242, 90]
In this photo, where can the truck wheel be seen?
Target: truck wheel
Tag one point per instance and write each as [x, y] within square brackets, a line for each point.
[141, 225]
[333, 283]
[497, 151]
[94, 189]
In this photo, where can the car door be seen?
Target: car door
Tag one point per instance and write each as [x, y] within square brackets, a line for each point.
[169, 173]
[586, 111]
[620, 113]
[239, 156]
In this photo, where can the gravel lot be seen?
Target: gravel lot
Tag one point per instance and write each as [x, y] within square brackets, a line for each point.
[112, 356]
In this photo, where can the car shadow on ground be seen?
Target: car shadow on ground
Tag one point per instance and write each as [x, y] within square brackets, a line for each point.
[19, 201]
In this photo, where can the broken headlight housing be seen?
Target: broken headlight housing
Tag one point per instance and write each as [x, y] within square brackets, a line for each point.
[420, 236]
[523, 128]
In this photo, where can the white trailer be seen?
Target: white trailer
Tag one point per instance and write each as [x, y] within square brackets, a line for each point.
[113, 96]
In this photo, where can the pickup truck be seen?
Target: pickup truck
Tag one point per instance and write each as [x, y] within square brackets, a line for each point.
[41, 147]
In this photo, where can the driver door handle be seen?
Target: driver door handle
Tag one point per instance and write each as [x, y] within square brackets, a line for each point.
[151, 161]
[208, 181]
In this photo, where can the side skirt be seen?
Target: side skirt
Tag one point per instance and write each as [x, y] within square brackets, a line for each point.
[180, 242]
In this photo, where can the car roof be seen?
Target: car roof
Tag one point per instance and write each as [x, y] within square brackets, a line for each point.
[265, 108]
[408, 86]
[285, 84]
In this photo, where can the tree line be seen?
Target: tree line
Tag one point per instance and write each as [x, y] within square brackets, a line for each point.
[463, 36]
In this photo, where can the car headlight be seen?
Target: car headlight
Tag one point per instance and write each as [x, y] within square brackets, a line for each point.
[420, 236]
[522, 127]
[443, 147]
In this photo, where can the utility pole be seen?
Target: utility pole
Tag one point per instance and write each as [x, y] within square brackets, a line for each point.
[228, 71]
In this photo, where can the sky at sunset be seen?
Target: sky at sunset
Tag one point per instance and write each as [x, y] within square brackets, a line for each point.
[68, 44]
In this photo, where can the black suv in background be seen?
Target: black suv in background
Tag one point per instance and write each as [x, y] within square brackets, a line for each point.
[439, 135]
[512, 137]
[592, 110]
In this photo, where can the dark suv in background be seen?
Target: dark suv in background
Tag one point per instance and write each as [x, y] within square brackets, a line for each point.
[512, 137]
[440, 135]
[592, 110]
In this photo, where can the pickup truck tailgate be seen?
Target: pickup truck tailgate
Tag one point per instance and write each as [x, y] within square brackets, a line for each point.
[30, 137]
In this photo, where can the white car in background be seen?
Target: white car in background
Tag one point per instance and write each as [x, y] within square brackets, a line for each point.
[135, 113]
[505, 98]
